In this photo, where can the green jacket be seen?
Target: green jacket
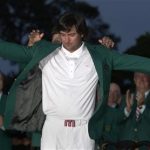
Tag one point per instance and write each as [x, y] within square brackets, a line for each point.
[111, 130]
[105, 61]
[36, 139]
[5, 139]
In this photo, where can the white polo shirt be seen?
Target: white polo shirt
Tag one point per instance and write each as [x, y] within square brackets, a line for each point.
[69, 84]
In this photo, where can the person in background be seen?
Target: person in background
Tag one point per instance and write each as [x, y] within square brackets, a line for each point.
[70, 72]
[135, 126]
[115, 96]
[36, 36]
[110, 119]
[5, 137]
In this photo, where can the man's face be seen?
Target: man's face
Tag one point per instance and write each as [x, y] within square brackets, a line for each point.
[71, 40]
[142, 82]
[114, 94]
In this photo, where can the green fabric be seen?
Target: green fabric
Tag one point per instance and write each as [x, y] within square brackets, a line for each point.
[5, 139]
[105, 61]
[111, 125]
[36, 139]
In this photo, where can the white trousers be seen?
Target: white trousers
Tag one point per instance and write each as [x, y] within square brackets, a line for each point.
[57, 136]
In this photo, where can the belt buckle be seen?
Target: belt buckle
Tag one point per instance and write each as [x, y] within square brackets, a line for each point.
[69, 123]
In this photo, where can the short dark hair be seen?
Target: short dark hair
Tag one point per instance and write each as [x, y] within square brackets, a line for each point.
[55, 30]
[69, 19]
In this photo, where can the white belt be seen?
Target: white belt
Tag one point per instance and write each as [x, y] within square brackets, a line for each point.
[69, 122]
[74, 123]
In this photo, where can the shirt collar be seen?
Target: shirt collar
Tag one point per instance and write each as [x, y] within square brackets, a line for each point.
[76, 54]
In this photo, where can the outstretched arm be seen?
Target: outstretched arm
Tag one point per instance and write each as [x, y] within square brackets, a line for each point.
[16, 52]
[130, 62]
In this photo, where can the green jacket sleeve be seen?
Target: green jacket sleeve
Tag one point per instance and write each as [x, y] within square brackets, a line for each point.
[16, 52]
[130, 62]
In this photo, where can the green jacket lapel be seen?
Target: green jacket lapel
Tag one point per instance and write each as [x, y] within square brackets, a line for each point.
[96, 128]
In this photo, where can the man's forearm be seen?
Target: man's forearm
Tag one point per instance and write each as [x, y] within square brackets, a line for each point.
[14, 52]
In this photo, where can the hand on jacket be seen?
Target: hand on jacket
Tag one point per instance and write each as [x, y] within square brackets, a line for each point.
[106, 41]
[35, 36]
[129, 100]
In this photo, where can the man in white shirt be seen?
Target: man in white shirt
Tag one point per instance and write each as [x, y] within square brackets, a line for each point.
[36, 35]
[70, 76]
